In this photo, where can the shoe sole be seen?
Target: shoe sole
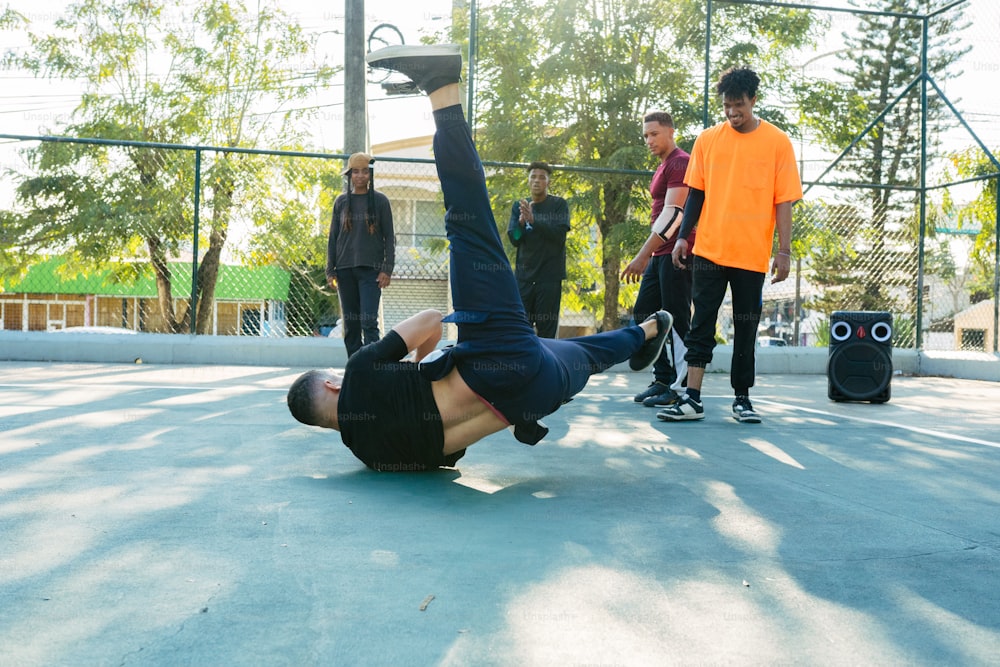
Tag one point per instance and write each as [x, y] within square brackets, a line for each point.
[687, 416]
[651, 404]
[410, 50]
[658, 341]
[681, 418]
[747, 420]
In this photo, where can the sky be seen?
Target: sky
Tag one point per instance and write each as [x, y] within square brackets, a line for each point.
[31, 106]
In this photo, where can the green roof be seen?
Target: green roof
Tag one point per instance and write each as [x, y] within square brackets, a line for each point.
[236, 283]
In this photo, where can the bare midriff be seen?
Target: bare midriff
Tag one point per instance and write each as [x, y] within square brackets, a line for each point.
[465, 415]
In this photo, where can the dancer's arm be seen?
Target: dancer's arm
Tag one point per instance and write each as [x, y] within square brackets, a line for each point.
[421, 332]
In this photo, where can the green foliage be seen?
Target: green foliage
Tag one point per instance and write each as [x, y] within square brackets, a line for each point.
[982, 213]
[224, 65]
[572, 87]
[904, 333]
[823, 333]
[309, 302]
[872, 265]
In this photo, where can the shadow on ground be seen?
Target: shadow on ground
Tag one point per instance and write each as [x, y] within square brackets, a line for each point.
[155, 515]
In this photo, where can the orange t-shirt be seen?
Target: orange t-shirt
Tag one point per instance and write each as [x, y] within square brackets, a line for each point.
[744, 177]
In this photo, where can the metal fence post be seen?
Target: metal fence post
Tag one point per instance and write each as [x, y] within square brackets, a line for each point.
[996, 266]
[470, 104]
[919, 314]
[193, 309]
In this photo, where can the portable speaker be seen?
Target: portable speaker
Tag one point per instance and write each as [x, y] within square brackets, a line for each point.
[860, 363]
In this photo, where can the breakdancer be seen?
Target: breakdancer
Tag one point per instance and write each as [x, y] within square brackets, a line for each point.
[398, 415]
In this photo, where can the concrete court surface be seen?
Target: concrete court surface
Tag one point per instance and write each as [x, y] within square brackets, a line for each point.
[177, 515]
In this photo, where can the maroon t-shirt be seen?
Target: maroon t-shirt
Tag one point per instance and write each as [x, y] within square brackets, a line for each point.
[670, 174]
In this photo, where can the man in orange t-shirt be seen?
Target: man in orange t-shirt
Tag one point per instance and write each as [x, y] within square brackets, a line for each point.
[743, 181]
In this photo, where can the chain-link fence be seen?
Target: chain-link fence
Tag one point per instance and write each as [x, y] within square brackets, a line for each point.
[128, 260]
[897, 146]
[163, 238]
[250, 263]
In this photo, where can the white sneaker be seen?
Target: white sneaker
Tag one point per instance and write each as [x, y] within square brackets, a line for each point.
[685, 409]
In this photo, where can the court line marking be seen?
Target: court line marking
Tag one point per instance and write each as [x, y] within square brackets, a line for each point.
[114, 385]
[879, 422]
[863, 420]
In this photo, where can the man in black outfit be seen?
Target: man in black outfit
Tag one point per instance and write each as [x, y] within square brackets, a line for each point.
[401, 415]
[538, 229]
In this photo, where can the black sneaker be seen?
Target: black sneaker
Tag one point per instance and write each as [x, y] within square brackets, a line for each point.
[428, 66]
[654, 389]
[650, 350]
[669, 397]
[743, 411]
[685, 409]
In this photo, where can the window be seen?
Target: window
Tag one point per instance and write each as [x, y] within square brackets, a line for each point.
[974, 340]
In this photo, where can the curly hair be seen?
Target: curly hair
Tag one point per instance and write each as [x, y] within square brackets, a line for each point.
[301, 394]
[538, 164]
[737, 81]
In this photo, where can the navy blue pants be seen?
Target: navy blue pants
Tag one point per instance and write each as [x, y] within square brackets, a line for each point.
[359, 298]
[498, 353]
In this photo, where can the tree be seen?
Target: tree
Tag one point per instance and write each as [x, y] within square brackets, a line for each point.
[980, 213]
[96, 202]
[286, 234]
[572, 89]
[882, 59]
[209, 77]
[246, 69]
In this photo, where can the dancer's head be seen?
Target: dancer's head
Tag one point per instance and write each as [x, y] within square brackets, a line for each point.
[358, 172]
[313, 398]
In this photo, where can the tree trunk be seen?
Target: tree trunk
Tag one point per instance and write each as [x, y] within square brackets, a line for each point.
[208, 268]
[161, 270]
[208, 276]
[615, 207]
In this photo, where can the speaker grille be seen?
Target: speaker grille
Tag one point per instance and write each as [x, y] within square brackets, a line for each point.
[860, 364]
[860, 371]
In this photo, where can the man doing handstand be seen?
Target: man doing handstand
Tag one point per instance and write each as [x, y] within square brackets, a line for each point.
[419, 415]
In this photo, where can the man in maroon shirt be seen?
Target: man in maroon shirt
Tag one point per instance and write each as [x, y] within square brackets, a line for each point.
[663, 285]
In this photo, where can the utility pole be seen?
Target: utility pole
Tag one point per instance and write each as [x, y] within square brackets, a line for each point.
[355, 99]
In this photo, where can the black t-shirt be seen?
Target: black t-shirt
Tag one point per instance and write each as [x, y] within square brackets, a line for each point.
[541, 251]
[387, 414]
